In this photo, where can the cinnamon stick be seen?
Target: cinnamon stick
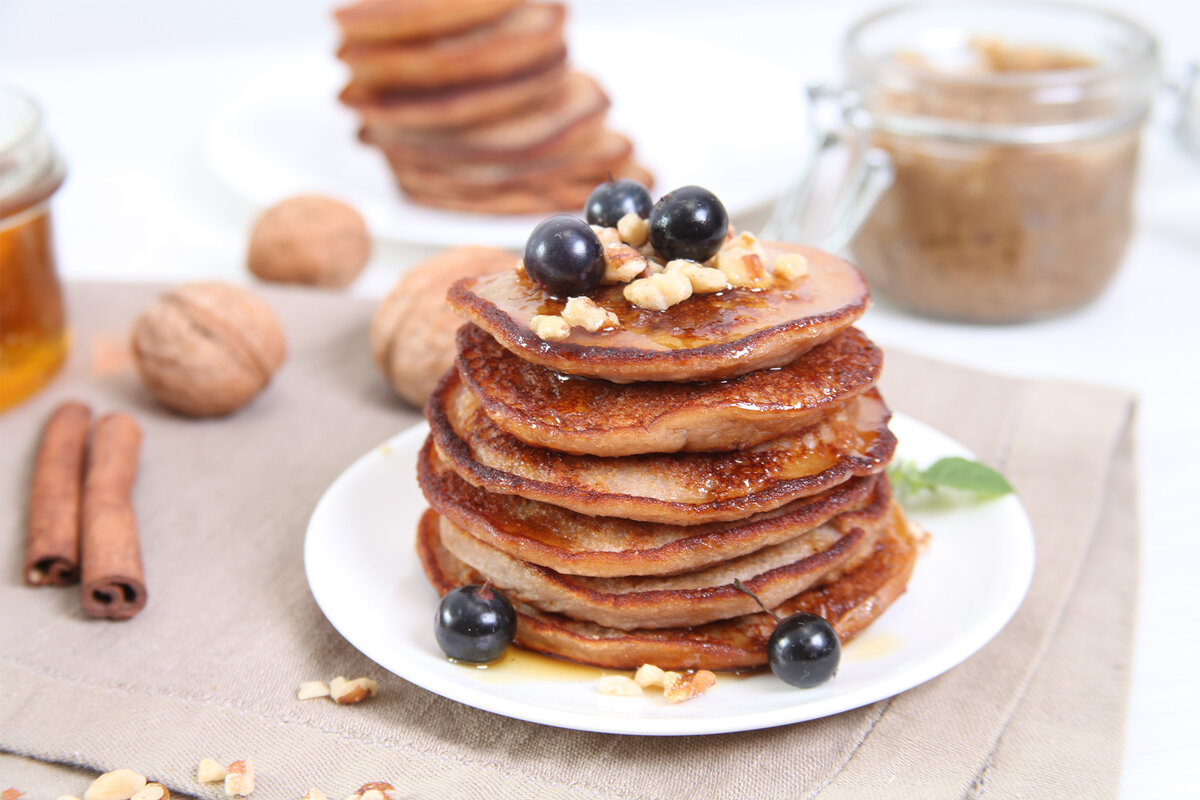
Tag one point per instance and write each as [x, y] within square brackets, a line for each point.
[113, 584]
[52, 538]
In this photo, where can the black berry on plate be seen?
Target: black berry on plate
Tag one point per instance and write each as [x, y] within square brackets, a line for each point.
[475, 624]
[613, 199]
[804, 650]
[689, 222]
[564, 255]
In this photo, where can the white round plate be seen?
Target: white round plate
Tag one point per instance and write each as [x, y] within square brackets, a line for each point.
[364, 573]
[287, 134]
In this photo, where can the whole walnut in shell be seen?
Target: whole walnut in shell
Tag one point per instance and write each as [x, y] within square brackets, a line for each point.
[309, 239]
[206, 349]
[412, 332]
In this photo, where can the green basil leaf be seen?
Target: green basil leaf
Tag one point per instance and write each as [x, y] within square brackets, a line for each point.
[967, 476]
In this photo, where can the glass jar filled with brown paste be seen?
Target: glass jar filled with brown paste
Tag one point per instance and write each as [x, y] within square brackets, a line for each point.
[1013, 132]
[33, 334]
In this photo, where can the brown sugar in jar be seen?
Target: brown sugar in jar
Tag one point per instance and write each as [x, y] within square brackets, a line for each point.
[1014, 159]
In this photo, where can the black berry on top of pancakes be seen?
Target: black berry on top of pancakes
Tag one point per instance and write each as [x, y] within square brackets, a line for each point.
[688, 223]
[613, 199]
[564, 256]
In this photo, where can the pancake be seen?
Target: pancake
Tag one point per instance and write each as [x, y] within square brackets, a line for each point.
[459, 106]
[675, 488]
[775, 573]
[528, 35]
[581, 415]
[601, 152]
[532, 197]
[850, 604]
[706, 337]
[578, 544]
[390, 20]
[562, 122]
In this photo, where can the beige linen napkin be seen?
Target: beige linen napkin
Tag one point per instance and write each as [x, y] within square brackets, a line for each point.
[211, 666]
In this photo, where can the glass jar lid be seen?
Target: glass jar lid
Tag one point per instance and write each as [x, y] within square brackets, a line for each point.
[1026, 72]
[30, 167]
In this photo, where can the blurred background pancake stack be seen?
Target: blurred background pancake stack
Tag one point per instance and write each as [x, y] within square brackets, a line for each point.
[475, 107]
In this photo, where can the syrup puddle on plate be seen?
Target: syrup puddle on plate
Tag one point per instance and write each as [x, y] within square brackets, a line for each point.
[520, 666]
[872, 646]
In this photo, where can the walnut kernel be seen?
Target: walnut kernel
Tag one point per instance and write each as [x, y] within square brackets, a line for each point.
[622, 263]
[659, 292]
[239, 778]
[209, 771]
[633, 229]
[649, 675]
[550, 327]
[120, 784]
[704, 280]
[582, 312]
[350, 692]
[791, 266]
[680, 686]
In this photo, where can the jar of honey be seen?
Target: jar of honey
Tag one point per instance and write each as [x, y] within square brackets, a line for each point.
[33, 334]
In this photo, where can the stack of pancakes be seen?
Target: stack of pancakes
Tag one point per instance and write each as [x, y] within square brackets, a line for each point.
[474, 107]
[614, 484]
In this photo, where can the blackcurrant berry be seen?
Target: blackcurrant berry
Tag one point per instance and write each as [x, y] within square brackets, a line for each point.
[690, 223]
[804, 650]
[475, 624]
[613, 199]
[564, 255]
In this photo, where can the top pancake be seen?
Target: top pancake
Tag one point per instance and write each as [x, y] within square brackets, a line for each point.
[398, 20]
[530, 34]
[706, 337]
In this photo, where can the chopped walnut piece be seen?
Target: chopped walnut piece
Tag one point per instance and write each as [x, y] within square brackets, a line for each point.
[659, 292]
[743, 268]
[680, 686]
[209, 771]
[633, 229]
[649, 675]
[618, 686]
[520, 266]
[120, 784]
[582, 312]
[311, 689]
[746, 241]
[622, 263]
[239, 778]
[152, 791]
[791, 266]
[606, 236]
[350, 692]
[705, 280]
[550, 327]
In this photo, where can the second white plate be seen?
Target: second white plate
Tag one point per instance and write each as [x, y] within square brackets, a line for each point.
[365, 576]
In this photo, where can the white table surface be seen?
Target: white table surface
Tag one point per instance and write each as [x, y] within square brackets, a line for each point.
[128, 87]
